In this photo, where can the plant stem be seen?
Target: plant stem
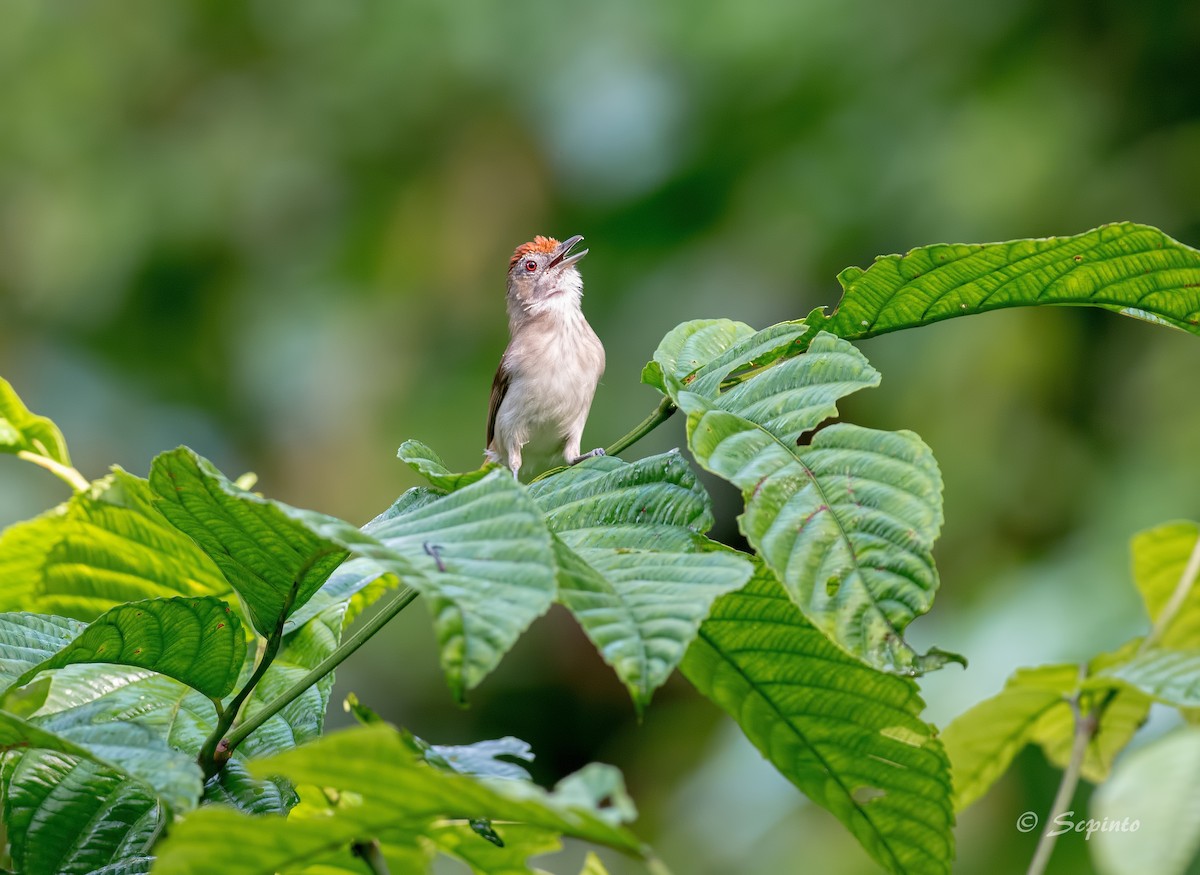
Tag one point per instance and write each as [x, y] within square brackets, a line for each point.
[1085, 728]
[372, 856]
[1186, 581]
[401, 600]
[64, 472]
[656, 418]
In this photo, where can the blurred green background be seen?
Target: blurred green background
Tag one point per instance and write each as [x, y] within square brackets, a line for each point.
[277, 231]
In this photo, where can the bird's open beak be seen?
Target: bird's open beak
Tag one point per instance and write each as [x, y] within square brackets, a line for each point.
[561, 259]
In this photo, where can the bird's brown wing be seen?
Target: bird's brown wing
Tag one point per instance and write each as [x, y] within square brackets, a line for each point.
[499, 390]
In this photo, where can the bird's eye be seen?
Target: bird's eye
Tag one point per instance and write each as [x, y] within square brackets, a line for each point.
[531, 265]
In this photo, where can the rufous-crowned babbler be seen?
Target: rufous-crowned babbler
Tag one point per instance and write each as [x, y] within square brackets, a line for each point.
[548, 374]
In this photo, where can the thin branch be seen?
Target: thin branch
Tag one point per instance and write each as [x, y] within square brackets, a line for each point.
[371, 855]
[1186, 581]
[1085, 729]
[64, 472]
[656, 418]
[402, 600]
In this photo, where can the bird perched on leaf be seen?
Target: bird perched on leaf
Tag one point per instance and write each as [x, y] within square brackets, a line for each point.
[549, 372]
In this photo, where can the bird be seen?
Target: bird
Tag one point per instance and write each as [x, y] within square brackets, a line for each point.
[549, 372]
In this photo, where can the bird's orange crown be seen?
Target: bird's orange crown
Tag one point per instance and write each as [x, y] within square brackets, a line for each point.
[537, 244]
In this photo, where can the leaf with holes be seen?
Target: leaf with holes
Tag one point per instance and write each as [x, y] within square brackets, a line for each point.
[848, 736]
[1135, 270]
[633, 564]
[198, 641]
[28, 433]
[486, 567]
[847, 523]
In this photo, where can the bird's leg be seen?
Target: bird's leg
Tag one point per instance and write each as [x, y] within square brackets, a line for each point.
[591, 454]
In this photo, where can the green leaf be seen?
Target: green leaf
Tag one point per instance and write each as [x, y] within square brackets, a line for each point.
[429, 465]
[519, 842]
[197, 640]
[234, 786]
[347, 583]
[849, 737]
[104, 547]
[1135, 270]
[1034, 707]
[1170, 676]
[22, 431]
[396, 792]
[28, 639]
[1160, 558]
[485, 565]
[479, 759]
[67, 815]
[846, 523]
[1152, 795]
[633, 565]
[689, 346]
[174, 776]
[270, 553]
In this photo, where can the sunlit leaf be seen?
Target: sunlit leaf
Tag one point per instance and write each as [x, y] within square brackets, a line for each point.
[1170, 676]
[22, 431]
[1160, 557]
[634, 567]
[197, 640]
[1034, 708]
[102, 548]
[850, 737]
[519, 842]
[1132, 269]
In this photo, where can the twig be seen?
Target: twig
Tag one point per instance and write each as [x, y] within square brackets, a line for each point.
[1085, 728]
[64, 472]
[326, 665]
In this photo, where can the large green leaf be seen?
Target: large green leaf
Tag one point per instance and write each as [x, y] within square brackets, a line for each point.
[1160, 561]
[25, 432]
[1034, 708]
[270, 553]
[104, 547]
[28, 639]
[68, 815]
[195, 640]
[1170, 676]
[847, 523]
[486, 567]
[396, 794]
[847, 735]
[1132, 269]
[633, 565]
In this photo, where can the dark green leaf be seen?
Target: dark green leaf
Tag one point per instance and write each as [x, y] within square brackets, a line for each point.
[270, 553]
[68, 815]
[848, 736]
[195, 640]
[1131, 269]
[633, 565]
